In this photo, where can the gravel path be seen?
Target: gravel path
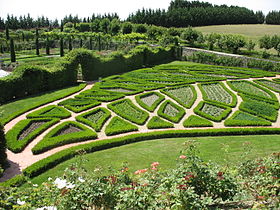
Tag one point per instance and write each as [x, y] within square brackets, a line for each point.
[19, 161]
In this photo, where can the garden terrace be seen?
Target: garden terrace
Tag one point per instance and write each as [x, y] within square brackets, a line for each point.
[146, 104]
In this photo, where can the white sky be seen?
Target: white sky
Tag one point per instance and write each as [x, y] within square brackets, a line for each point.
[84, 8]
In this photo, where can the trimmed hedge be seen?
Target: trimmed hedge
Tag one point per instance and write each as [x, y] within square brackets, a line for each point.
[118, 126]
[140, 98]
[253, 93]
[99, 122]
[3, 155]
[223, 115]
[27, 80]
[177, 117]
[53, 160]
[99, 95]
[206, 98]
[16, 145]
[272, 85]
[126, 109]
[51, 141]
[50, 111]
[78, 105]
[260, 109]
[196, 121]
[156, 123]
[240, 118]
[187, 104]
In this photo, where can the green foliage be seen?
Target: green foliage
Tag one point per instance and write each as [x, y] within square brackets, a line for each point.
[127, 28]
[157, 123]
[272, 85]
[118, 126]
[260, 109]
[3, 155]
[150, 100]
[25, 131]
[273, 17]
[12, 50]
[252, 89]
[212, 111]
[171, 111]
[217, 93]
[240, 118]
[95, 118]
[126, 109]
[184, 95]
[190, 35]
[50, 111]
[195, 121]
[78, 105]
[65, 133]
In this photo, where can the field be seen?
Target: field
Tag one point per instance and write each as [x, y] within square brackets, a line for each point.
[252, 31]
[177, 99]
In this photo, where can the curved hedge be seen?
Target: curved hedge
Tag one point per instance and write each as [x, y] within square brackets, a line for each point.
[3, 155]
[53, 160]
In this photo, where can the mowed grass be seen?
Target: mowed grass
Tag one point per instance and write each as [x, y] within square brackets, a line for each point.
[13, 109]
[222, 150]
[251, 31]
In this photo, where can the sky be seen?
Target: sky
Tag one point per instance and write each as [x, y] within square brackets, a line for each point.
[84, 8]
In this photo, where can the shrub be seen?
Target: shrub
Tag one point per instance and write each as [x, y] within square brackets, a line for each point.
[240, 118]
[126, 109]
[150, 100]
[156, 123]
[118, 126]
[17, 144]
[195, 121]
[78, 105]
[95, 118]
[50, 111]
[171, 111]
[99, 95]
[62, 134]
[260, 109]
[212, 111]
[3, 155]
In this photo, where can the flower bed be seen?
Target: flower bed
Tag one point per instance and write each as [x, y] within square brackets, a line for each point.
[212, 111]
[171, 111]
[95, 118]
[184, 95]
[272, 85]
[240, 118]
[25, 131]
[78, 105]
[126, 109]
[218, 93]
[65, 133]
[150, 100]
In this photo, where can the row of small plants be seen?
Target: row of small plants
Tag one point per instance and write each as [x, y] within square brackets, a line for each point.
[193, 184]
[79, 105]
[126, 109]
[217, 93]
[171, 111]
[184, 95]
[272, 85]
[212, 111]
[150, 100]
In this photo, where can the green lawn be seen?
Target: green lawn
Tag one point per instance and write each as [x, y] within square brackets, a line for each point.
[11, 110]
[228, 149]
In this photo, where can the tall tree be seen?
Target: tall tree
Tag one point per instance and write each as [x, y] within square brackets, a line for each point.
[12, 50]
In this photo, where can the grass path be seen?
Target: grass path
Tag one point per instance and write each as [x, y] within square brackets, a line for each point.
[26, 158]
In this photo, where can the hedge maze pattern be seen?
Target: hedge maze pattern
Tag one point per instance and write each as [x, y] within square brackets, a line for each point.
[178, 95]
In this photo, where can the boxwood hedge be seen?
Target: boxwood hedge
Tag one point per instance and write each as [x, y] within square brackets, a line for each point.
[118, 126]
[156, 123]
[196, 121]
[78, 105]
[52, 111]
[148, 96]
[171, 111]
[3, 155]
[17, 145]
[240, 118]
[52, 139]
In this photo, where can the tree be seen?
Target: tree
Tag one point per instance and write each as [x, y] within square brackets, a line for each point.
[7, 33]
[265, 42]
[47, 46]
[104, 25]
[250, 45]
[37, 42]
[127, 28]
[61, 42]
[115, 26]
[190, 35]
[12, 50]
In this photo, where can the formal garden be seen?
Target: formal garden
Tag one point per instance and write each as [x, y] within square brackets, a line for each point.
[167, 109]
